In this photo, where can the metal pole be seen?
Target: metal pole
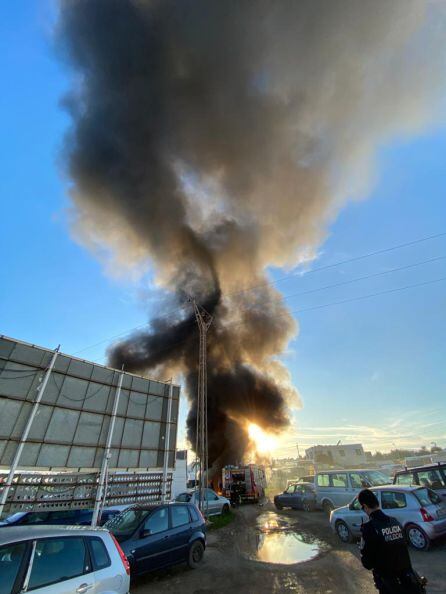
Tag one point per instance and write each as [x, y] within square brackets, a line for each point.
[18, 453]
[107, 454]
[167, 443]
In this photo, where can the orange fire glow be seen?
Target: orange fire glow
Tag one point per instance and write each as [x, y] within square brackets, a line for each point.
[263, 442]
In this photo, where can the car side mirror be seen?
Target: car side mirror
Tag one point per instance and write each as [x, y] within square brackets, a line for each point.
[350, 507]
[145, 532]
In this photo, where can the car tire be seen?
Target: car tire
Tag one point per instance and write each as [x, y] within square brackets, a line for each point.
[225, 509]
[196, 553]
[328, 507]
[278, 506]
[343, 531]
[417, 538]
[308, 506]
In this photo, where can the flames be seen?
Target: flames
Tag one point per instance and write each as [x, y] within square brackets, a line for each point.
[262, 442]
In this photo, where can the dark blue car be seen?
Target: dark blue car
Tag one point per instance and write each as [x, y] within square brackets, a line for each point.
[81, 517]
[156, 536]
[297, 496]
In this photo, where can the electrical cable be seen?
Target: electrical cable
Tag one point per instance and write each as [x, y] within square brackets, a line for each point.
[292, 274]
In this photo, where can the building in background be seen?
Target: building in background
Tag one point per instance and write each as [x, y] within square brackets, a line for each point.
[343, 455]
[180, 474]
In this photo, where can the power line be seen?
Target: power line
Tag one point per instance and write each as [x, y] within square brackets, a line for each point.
[273, 282]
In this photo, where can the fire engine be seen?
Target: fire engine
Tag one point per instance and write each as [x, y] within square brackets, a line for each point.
[244, 483]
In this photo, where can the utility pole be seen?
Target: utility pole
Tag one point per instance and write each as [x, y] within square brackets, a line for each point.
[167, 444]
[204, 320]
[35, 407]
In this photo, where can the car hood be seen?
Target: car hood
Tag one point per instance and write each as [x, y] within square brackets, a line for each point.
[340, 511]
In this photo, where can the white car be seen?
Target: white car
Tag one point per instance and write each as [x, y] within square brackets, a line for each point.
[61, 560]
[213, 505]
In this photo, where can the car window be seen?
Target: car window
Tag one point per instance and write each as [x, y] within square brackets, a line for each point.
[194, 513]
[359, 481]
[427, 497]
[323, 480]
[210, 495]
[290, 489]
[99, 554]
[180, 515]
[126, 522]
[393, 500]
[158, 521]
[63, 515]
[57, 560]
[299, 489]
[183, 497]
[431, 479]
[35, 518]
[375, 478]
[339, 480]
[406, 478]
[356, 505]
[10, 560]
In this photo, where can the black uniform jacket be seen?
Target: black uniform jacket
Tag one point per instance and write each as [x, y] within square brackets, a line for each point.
[384, 548]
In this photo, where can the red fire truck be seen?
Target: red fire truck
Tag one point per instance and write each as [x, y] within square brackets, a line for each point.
[244, 483]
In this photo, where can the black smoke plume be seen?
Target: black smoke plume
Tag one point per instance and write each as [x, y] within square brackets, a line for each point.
[213, 139]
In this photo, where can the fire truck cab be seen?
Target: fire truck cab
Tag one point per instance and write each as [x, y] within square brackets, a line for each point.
[244, 483]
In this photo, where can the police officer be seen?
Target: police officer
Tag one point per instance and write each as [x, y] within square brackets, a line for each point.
[384, 550]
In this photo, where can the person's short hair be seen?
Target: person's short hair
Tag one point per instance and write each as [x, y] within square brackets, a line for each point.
[368, 498]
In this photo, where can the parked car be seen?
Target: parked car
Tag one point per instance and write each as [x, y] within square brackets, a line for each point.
[420, 511]
[160, 535]
[297, 496]
[214, 504]
[432, 476]
[61, 560]
[335, 488]
[72, 517]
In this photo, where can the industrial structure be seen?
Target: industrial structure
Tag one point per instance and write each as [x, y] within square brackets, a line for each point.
[67, 416]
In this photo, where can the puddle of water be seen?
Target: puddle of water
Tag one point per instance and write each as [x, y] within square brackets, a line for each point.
[285, 547]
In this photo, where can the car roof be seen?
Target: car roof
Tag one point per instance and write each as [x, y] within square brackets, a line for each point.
[424, 467]
[18, 533]
[397, 488]
[342, 470]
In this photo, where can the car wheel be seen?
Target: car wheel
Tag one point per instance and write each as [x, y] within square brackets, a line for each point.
[327, 506]
[278, 506]
[308, 506]
[417, 538]
[343, 531]
[225, 509]
[196, 553]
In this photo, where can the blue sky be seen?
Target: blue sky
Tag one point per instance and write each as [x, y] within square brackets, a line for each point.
[370, 370]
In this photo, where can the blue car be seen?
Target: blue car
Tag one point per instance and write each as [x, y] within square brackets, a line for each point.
[81, 517]
[297, 496]
[160, 535]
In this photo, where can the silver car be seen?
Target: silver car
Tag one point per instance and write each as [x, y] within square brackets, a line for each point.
[214, 504]
[420, 511]
[61, 560]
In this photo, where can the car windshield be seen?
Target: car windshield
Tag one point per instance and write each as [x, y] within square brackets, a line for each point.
[376, 478]
[127, 522]
[427, 497]
[183, 497]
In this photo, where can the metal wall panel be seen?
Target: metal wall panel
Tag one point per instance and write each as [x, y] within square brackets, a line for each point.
[71, 426]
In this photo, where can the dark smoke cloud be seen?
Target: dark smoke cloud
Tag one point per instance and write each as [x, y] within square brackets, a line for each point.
[216, 138]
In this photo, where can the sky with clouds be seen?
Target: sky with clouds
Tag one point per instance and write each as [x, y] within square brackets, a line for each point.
[369, 357]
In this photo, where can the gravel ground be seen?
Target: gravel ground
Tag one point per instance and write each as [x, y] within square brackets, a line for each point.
[230, 563]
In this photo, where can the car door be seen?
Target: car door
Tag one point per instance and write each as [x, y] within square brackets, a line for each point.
[286, 499]
[355, 517]
[13, 562]
[297, 496]
[394, 503]
[180, 532]
[151, 546]
[213, 502]
[60, 565]
[339, 489]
